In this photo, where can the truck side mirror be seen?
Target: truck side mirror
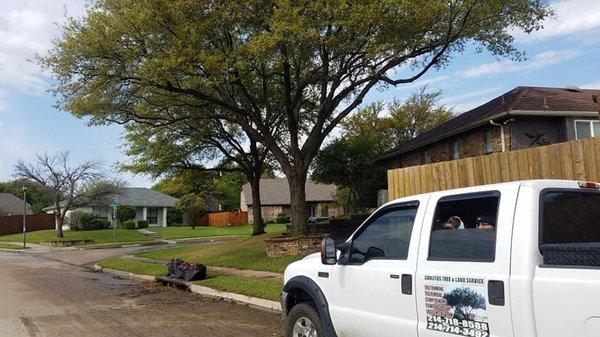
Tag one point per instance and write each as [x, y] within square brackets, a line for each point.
[328, 251]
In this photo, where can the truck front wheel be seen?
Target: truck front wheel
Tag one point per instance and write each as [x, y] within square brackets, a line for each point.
[304, 321]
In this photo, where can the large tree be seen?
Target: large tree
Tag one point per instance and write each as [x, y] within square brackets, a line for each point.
[167, 148]
[70, 185]
[347, 161]
[303, 65]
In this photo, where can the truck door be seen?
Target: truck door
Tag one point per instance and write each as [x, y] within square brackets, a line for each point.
[373, 291]
[464, 264]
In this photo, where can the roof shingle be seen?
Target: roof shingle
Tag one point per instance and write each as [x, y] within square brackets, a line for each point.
[277, 192]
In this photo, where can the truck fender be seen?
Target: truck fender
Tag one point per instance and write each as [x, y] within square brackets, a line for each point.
[297, 289]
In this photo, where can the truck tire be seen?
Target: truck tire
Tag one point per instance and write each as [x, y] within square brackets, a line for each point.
[304, 320]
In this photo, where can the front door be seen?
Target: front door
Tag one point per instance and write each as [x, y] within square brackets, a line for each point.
[464, 264]
[373, 294]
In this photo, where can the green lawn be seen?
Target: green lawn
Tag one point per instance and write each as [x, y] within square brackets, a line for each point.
[267, 289]
[171, 233]
[133, 266]
[5, 245]
[99, 236]
[242, 253]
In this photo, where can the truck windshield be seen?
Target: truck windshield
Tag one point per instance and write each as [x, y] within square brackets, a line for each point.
[570, 217]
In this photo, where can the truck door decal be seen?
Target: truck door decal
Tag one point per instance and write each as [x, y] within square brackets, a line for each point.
[456, 305]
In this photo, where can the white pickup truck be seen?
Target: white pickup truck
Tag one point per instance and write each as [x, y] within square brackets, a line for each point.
[519, 259]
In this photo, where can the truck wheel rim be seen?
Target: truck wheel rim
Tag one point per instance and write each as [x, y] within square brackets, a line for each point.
[304, 328]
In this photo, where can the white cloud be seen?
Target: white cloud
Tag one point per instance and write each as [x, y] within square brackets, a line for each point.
[27, 29]
[539, 61]
[594, 85]
[572, 17]
[462, 97]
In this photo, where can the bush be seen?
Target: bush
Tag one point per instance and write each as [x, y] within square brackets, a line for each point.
[282, 218]
[174, 216]
[81, 221]
[128, 224]
[125, 212]
[142, 224]
[177, 224]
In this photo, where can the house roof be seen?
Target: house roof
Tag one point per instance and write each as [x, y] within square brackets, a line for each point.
[521, 101]
[11, 204]
[277, 192]
[139, 196]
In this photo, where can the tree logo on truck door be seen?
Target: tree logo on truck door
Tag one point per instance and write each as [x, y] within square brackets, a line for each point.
[456, 305]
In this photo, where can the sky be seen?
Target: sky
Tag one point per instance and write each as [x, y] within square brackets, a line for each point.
[565, 53]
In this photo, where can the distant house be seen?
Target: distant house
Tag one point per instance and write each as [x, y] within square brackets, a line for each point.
[11, 205]
[150, 205]
[521, 118]
[275, 199]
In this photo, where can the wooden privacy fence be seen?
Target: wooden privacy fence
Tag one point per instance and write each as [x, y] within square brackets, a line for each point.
[226, 219]
[14, 224]
[575, 160]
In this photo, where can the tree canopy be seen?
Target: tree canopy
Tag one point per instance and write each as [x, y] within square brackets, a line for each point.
[286, 72]
[348, 161]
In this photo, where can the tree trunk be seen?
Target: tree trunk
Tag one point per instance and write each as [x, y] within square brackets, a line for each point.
[258, 226]
[58, 224]
[297, 184]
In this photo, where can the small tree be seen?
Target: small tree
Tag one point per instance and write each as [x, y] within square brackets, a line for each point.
[69, 185]
[125, 212]
[465, 301]
[194, 209]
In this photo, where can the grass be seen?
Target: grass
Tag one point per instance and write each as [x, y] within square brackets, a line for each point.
[5, 245]
[133, 266]
[98, 236]
[242, 253]
[267, 289]
[171, 233]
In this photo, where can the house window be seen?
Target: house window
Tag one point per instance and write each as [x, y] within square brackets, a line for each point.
[152, 216]
[425, 157]
[586, 129]
[488, 147]
[454, 151]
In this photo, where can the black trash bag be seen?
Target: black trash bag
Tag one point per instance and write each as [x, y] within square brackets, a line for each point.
[192, 271]
[174, 270]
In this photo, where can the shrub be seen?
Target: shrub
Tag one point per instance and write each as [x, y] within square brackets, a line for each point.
[177, 224]
[125, 212]
[128, 224]
[81, 221]
[282, 218]
[174, 216]
[142, 224]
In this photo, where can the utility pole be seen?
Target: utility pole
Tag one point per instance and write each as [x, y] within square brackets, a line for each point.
[24, 217]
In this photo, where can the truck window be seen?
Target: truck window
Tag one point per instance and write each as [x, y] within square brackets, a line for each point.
[386, 236]
[570, 217]
[464, 228]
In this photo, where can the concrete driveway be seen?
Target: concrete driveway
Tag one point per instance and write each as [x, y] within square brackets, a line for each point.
[41, 296]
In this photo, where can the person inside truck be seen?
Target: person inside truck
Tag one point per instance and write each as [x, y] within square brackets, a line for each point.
[453, 222]
[484, 222]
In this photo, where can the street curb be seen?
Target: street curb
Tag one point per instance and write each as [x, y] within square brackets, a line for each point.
[253, 301]
[124, 274]
[201, 290]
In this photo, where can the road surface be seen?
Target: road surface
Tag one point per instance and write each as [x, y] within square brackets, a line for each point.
[43, 297]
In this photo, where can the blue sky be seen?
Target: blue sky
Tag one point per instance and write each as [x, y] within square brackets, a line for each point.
[566, 52]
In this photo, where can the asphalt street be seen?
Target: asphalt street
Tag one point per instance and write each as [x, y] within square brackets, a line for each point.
[40, 295]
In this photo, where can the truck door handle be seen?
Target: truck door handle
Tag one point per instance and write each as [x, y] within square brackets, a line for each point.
[496, 292]
[407, 284]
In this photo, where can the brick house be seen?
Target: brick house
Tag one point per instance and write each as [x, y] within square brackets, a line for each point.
[521, 118]
[275, 199]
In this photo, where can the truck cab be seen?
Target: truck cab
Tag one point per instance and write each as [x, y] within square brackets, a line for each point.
[503, 260]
